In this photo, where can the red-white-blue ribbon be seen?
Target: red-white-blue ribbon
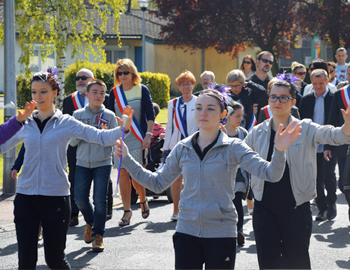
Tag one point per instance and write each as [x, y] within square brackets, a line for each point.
[77, 102]
[345, 96]
[252, 123]
[179, 120]
[122, 103]
[268, 112]
[100, 120]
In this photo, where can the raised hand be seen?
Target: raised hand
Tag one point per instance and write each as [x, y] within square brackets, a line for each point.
[284, 138]
[104, 126]
[120, 151]
[129, 112]
[28, 109]
[346, 116]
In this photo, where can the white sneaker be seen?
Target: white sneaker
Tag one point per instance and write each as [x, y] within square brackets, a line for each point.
[174, 217]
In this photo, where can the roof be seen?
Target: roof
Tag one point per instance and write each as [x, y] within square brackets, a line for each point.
[130, 25]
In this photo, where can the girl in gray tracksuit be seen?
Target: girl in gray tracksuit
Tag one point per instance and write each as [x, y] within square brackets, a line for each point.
[206, 230]
[43, 189]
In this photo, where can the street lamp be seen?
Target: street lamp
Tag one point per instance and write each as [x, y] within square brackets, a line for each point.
[143, 4]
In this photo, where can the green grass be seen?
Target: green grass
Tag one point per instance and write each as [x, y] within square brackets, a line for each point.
[162, 117]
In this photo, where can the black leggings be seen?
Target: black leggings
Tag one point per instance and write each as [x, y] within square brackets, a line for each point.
[237, 201]
[192, 252]
[54, 214]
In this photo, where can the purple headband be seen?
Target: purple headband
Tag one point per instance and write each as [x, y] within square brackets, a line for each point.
[43, 75]
[287, 78]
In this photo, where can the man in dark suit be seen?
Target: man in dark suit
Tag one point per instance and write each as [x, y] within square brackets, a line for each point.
[316, 106]
[72, 102]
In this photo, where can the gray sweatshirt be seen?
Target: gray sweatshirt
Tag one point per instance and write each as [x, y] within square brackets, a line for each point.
[206, 207]
[44, 170]
[93, 155]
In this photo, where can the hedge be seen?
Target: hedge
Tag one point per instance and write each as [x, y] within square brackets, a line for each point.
[157, 83]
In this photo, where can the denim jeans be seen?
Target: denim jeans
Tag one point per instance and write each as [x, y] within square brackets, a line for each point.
[83, 178]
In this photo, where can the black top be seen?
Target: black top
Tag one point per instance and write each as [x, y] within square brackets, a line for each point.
[206, 149]
[279, 193]
[263, 100]
[41, 125]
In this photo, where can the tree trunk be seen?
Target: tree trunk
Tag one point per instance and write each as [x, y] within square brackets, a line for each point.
[61, 65]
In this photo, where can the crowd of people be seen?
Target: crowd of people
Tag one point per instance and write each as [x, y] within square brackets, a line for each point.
[273, 141]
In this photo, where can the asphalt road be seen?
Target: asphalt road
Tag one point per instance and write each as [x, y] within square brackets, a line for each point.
[147, 244]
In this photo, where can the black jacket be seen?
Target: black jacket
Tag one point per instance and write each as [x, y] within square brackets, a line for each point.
[307, 106]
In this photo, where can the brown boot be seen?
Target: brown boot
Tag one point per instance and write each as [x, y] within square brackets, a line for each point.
[97, 244]
[87, 235]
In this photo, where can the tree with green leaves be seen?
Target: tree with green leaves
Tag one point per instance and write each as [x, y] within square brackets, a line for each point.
[55, 23]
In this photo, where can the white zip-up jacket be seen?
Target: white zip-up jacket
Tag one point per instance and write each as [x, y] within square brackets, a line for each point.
[206, 207]
[301, 155]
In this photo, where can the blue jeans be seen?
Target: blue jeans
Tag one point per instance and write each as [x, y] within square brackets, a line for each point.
[83, 178]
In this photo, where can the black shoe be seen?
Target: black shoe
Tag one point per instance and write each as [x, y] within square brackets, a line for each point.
[240, 238]
[321, 216]
[74, 221]
[332, 211]
[349, 213]
[109, 216]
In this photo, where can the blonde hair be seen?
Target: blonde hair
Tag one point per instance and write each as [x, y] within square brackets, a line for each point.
[235, 75]
[296, 66]
[126, 65]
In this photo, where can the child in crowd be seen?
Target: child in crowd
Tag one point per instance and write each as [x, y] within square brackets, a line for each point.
[94, 162]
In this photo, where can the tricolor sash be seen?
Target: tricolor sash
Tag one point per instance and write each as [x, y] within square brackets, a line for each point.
[268, 112]
[179, 120]
[100, 120]
[77, 102]
[345, 96]
[122, 103]
[252, 123]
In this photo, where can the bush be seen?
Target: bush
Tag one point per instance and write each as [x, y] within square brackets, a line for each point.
[23, 90]
[159, 86]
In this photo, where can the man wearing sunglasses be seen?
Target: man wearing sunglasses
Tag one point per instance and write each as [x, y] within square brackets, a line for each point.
[78, 100]
[263, 66]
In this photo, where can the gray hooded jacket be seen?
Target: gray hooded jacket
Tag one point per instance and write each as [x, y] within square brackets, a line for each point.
[206, 207]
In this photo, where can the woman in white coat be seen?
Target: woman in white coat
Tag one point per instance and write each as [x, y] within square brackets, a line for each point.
[181, 124]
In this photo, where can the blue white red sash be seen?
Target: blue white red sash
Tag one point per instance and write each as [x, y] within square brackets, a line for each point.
[122, 103]
[179, 120]
[268, 112]
[252, 123]
[77, 102]
[345, 96]
[100, 120]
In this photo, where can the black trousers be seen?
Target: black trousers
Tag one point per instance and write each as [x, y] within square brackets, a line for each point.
[341, 157]
[282, 235]
[325, 179]
[71, 178]
[192, 252]
[237, 201]
[54, 214]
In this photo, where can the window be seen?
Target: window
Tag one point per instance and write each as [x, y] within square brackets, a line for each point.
[36, 64]
[114, 53]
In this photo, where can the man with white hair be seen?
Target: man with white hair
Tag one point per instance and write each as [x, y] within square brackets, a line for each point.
[77, 100]
[208, 78]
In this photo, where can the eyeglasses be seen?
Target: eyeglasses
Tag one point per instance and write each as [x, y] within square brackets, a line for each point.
[83, 78]
[282, 99]
[247, 62]
[266, 61]
[332, 70]
[300, 73]
[187, 84]
[235, 86]
[120, 73]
